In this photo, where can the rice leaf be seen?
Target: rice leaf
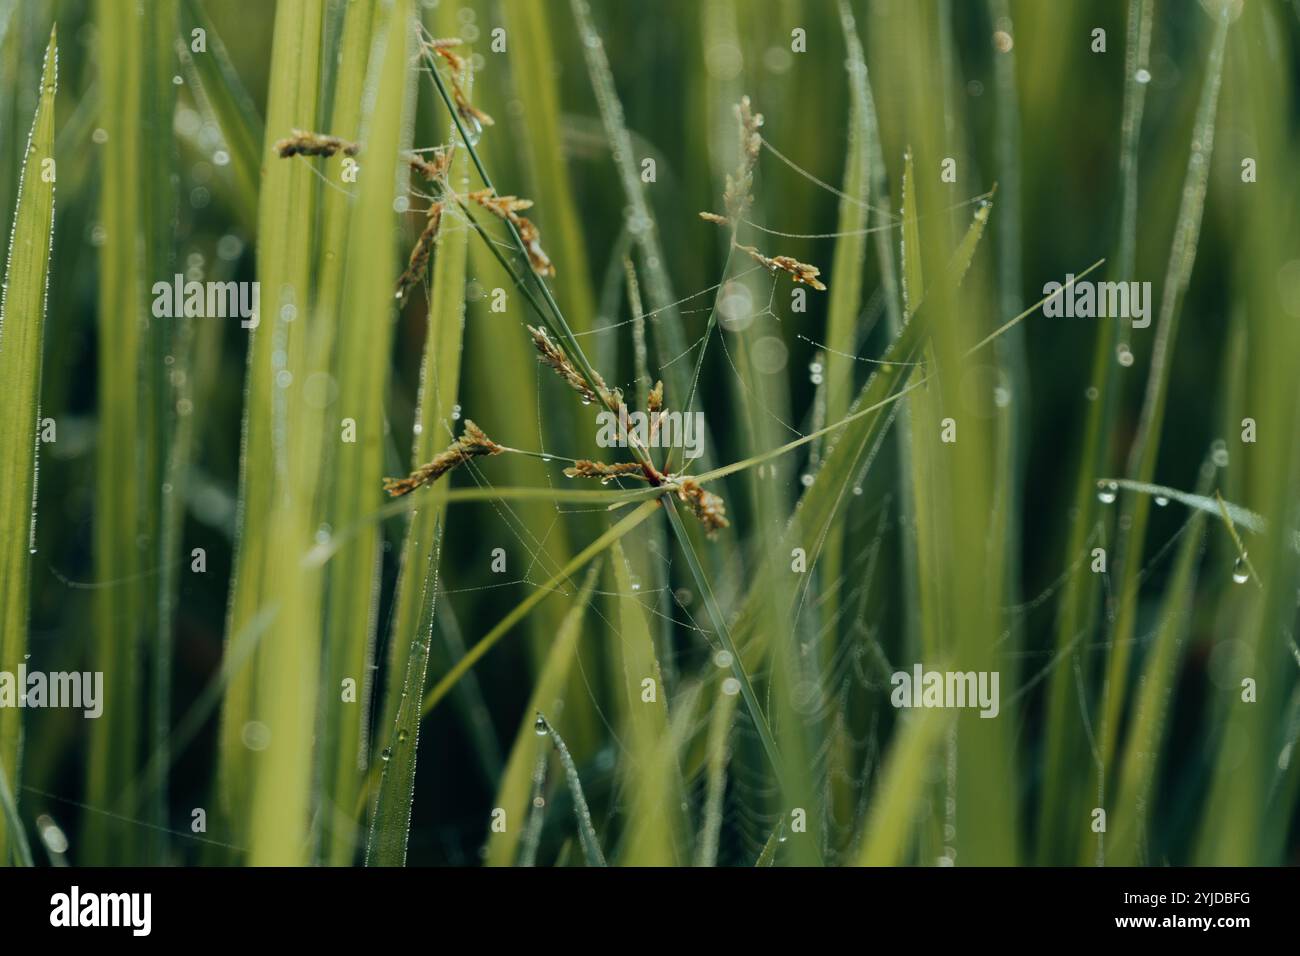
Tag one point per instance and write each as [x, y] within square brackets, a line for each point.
[547, 697]
[22, 331]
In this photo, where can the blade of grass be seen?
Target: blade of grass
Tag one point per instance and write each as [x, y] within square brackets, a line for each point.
[1146, 445]
[22, 331]
[221, 97]
[1066, 744]
[893, 813]
[265, 792]
[136, 516]
[1127, 842]
[651, 836]
[586, 833]
[340, 348]
[547, 695]
[390, 826]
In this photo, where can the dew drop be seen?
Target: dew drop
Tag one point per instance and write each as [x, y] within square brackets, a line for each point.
[731, 687]
[1161, 501]
[1142, 76]
[387, 754]
[539, 726]
[1107, 493]
[806, 480]
[402, 735]
[473, 129]
[722, 659]
[1240, 574]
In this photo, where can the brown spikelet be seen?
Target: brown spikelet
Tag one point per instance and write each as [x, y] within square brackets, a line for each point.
[418, 263]
[714, 217]
[472, 443]
[507, 208]
[435, 166]
[798, 271]
[654, 405]
[708, 507]
[551, 354]
[467, 110]
[583, 468]
[303, 143]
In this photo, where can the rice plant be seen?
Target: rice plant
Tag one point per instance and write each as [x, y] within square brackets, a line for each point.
[767, 433]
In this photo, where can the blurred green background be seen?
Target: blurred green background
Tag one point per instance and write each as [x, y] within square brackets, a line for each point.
[1017, 95]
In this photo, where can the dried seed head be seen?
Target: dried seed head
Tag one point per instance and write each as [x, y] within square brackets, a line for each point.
[708, 507]
[507, 208]
[418, 263]
[583, 468]
[435, 166]
[467, 110]
[472, 443]
[303, 143]
[655, 400]
[551, 354]
[737, 197]
[751, 141]
[798, 271]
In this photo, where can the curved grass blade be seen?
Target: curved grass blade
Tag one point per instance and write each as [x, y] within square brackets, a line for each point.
[1133, 799]
[512, 793]
[221, 97]
[267, 791]
[22, 329]
[1146, 446]
[889, 825]
[391, 824]
[586, 833]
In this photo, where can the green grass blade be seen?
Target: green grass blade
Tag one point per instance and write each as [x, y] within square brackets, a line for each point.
[548, 692]
[1143, 454]
[342, 269]
[890, 824]
[136, 518]
[22, 330]
[1066, 744]
[1132, 811]
[440, 373]
[650, 838]
[265, 791]
[221, 97]
[586, 832]
[390, 826]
